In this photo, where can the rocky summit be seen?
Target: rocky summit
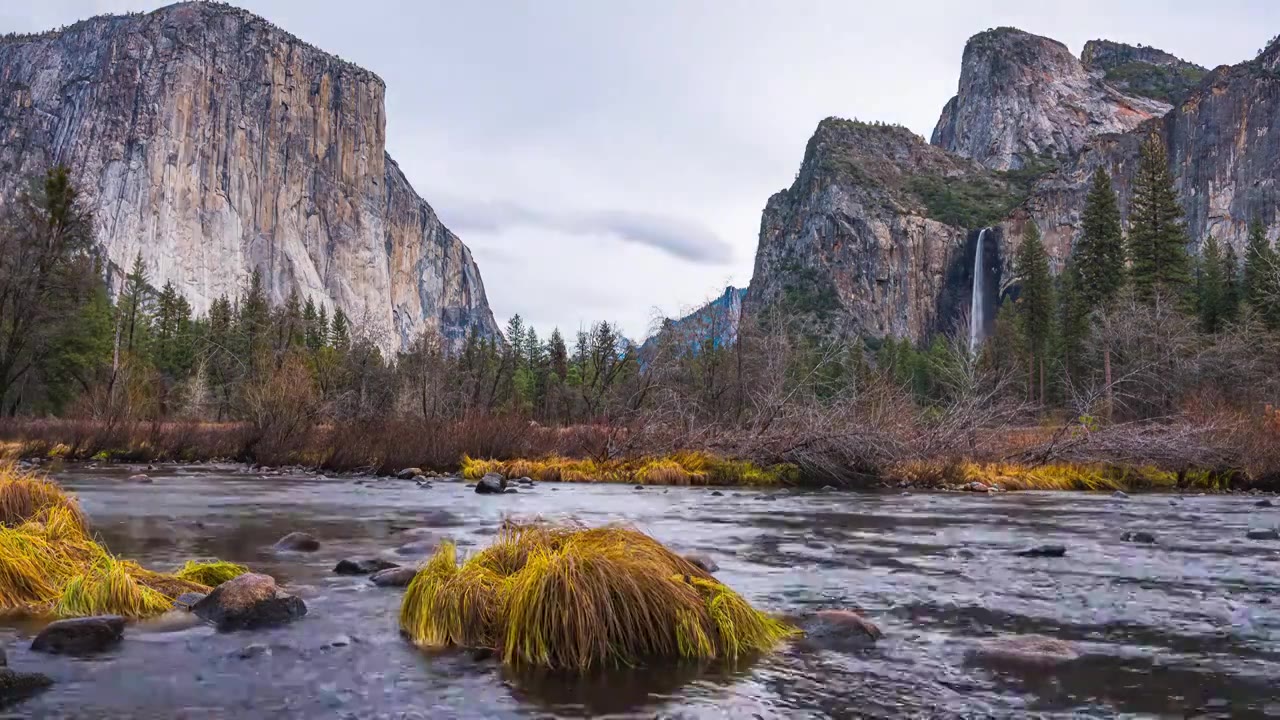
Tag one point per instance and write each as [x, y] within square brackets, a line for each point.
[215, 144]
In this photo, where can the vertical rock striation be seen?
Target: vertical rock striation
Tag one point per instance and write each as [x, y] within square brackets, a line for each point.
[214, 144]
[1023, 99]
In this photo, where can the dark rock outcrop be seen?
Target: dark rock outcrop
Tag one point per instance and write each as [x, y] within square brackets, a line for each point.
[249, 601]
[368, 566]
[215, 144]
[1023, 99]
[80, 636]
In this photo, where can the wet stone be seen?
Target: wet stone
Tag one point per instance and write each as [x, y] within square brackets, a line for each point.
[17, 686]
[1138, 536]
[80, 636]
[140, 478]
[362, 567]
[1043, 551]
[491, 484]
[394, 577]
[1264, 504]
[418, 547]
[1024, 651]
[409, 473]
[1120, 495]
[703, 561]
[716, 493]
[1268, 534]
[187, 600]
[298, 542]
[843, 630]
[247, 602]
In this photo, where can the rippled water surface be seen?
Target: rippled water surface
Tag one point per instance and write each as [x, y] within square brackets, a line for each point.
[1189, 626]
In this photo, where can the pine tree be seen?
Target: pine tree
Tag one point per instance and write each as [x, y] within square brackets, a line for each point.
[340, 332]
[1095, 271]
[1211, 302]
[1231, 284]
[557, 355]
[1157, 239]
[135, 308]
[310, 324]
[1261, 272]
[1035, 303]
[254, 325]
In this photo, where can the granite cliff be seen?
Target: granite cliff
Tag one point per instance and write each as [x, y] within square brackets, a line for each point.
[214, 143]
[865, 239]
[1025, 100]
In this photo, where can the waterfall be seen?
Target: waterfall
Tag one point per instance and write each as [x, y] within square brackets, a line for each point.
[977, 304]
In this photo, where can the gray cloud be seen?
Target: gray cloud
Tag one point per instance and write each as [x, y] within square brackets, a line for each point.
[678, 237]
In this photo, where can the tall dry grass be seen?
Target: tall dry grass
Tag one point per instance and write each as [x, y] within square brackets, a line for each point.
[577, 599]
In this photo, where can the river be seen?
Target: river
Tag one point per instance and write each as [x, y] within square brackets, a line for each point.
[1187, 626]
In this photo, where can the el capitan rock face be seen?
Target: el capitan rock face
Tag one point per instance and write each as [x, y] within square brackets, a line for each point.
[1023, 99]
[865, 241]
[215, 144]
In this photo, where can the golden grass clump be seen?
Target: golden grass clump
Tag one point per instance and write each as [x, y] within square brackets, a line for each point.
[569, 598]
[682, 468]
[212, 573]
[50, 565]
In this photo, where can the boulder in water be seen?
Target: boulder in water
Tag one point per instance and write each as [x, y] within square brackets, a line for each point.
[839, 630]
[140, 478]
[1138, 536]
[362, 567]
[1024, 651]
[80, 636]
[716, 493]
[491, 484]
[417, 547]
[394, 577]
[703, 561]
[409, 473]
[1264, 503]
[1120, 495]
[1268, 534]
[298, 542]
[976, 486]
[1044, 551]
[17, 686]
[250, 601]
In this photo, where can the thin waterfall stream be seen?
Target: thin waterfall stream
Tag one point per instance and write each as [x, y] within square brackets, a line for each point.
[977, 304]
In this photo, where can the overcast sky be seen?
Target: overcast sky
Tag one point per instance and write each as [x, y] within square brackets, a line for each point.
[609, 159]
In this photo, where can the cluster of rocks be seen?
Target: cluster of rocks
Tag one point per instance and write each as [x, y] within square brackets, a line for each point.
[497, 484]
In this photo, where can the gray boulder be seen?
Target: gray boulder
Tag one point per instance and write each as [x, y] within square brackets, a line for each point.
[298, 542]
[140, 478]
[362, 567]
[838, 630]
[491, 484]
[1138, 536]
[1268, 534]
[250, 601]
[394, 577]
[80, 636]
[409, 473]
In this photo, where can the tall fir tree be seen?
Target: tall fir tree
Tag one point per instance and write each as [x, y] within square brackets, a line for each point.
[1035, 305]
[135, 308]
[1261, 274]
[1212, 285]
[1157, 239]
[254, 326]
[340, 332]
[1231, 284]
[1095, 271]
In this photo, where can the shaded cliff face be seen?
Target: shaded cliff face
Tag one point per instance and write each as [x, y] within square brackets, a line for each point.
[716, 321]
[864, 241]
[1223, 143]
[1023, 99]
[214, 143]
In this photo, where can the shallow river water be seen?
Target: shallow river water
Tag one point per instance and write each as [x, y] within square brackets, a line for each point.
[1189, 626]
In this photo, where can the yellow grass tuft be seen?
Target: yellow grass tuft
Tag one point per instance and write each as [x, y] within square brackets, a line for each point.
[682, 468]
[50, 565]
[212, 573]
[569, 598]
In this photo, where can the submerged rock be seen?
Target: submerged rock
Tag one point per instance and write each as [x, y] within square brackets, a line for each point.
[298, 542]
[140, 478]
[418, 547]
[1120, 495]
[1138, 536]
[362, 567]
[510, 491]
[716, 493]
[16, 686]
[838, 630]
[1044, 551]
[187, 600]
[1268, 534]
[394, 577]
[1034, 651]
[80, 636]
[703, 561]
[250, 601]
[491, 484]
[1264, 503]
[976, 486]
[253, 650]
